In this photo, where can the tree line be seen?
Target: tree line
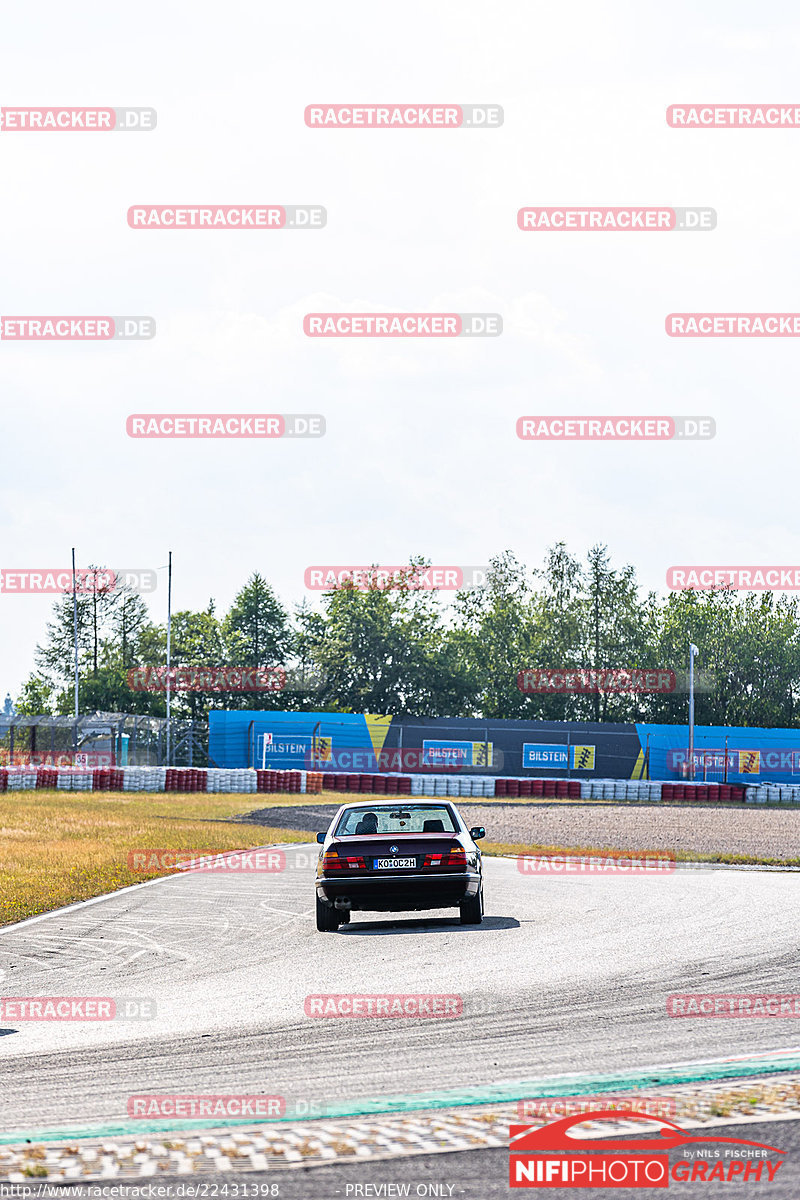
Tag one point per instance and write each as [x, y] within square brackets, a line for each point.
[396, 648]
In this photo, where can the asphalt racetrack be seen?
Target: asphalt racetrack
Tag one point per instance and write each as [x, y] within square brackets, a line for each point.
[564, 975]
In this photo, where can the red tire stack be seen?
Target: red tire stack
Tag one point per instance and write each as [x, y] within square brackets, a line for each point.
[549, 787]
[404, 785]
[526, 787]
[500, 786]
[379, 784]
[537, 787]
[562, 788]
[3, 779]
[574, 789]
[391, 785]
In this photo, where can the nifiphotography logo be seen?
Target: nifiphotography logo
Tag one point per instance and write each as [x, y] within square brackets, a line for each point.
[551, 1157]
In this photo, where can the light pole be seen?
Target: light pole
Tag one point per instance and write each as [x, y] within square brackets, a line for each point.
[169, 650]
[75, 629]
[693, 651]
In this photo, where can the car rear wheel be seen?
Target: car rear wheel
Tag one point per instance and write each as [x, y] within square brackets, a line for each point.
[327, 918]
[472, 909]
[344, 916]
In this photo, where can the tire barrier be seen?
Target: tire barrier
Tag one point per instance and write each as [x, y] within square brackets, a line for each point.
[699, 793]
[773, 793]
[624, 791]
[107, 779]
[475, 787]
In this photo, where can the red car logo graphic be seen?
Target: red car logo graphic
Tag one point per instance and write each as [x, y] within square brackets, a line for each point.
[555, 1136]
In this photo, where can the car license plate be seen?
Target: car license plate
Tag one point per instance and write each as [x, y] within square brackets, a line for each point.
[388, 864]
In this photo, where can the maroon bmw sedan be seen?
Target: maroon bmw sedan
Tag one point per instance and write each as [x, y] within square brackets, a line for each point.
[398, 857]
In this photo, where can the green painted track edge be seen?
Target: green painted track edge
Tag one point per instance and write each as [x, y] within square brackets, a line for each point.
[557, 1085]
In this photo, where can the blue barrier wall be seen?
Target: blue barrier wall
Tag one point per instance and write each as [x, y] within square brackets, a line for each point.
[360, 742]
[584, 750]
[751, 755]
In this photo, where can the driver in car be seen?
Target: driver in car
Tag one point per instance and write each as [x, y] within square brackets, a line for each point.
[367, 824]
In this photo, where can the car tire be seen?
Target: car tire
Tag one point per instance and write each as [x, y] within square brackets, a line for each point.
[327, 918]
[472, 909]
[344, 916]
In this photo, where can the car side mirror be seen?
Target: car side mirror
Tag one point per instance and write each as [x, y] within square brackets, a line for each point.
[477, 832]
[321, 837]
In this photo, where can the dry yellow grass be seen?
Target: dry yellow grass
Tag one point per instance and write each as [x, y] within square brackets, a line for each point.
[60, 847]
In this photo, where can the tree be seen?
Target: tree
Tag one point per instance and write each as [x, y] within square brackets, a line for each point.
[256, 629]
[496, 636]
[36, 697]
[615, 631]
[384, 649]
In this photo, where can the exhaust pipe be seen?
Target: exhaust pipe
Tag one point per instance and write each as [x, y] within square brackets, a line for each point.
[343, 902]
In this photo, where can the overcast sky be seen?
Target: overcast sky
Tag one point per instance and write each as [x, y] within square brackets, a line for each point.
[421, 454]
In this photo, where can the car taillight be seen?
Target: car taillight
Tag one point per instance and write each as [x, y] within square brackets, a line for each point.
[333, 861]
[456, 856]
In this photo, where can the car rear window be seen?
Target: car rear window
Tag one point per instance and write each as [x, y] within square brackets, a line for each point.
[394, 818]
